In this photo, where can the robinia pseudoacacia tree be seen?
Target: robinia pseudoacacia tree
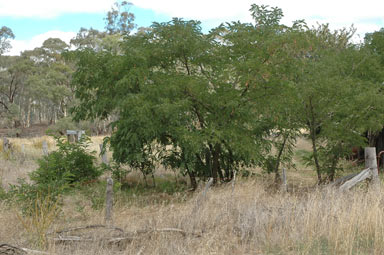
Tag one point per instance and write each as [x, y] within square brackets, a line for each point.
[209, 104]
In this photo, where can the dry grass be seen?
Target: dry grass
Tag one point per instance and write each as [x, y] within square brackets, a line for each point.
[251, 219]
[18, 162]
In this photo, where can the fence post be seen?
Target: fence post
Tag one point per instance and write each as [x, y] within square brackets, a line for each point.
[371, 163]
[109, 202]
[284, 180]
[45, 148]
[5, 144]
[103, 154]
[22, 153]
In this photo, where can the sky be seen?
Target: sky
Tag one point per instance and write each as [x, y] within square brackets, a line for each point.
[33, 21]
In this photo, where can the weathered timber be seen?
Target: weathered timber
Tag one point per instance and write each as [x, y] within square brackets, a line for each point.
[109, 202]
[363, 175]
[371, 163]
[6, 144]
[284, 187]
[45, 148]
[342, 180]
[103, 153]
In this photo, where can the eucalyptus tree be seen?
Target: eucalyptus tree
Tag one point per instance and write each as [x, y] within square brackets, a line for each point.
[49, 92]
[6, 35]
[14, 71]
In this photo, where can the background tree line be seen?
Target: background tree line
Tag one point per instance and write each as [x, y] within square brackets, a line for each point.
[206, 104]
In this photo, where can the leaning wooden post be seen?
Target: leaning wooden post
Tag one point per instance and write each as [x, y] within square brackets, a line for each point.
[109, 202]
[371, 163]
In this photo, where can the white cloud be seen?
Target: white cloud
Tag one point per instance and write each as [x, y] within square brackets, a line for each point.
[37, 41]
[51, 8]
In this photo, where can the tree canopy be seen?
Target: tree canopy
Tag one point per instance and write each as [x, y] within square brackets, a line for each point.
[211, 104]
[207, 104]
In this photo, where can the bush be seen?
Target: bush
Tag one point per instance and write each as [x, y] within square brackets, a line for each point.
[69, 164]
[57, 172]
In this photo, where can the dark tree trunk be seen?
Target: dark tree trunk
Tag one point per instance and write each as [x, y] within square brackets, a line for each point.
[215, 163]
[312, 129]
[192, 179]
[208, 165]
[277, 173]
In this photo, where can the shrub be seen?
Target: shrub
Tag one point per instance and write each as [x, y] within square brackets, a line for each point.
[69, 164]
[57, 172]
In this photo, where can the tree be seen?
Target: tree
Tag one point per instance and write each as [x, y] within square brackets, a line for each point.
[14, 72]
[48, 92]
[211, 104]
[119, 19]
[178, 96]
[5, 35]
[337, 105]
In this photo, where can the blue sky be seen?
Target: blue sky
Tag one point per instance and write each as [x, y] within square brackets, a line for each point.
[34, 21]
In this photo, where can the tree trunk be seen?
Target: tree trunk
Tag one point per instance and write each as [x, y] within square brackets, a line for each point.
[192, 179]
[277, 173]
[208, 164]
[28, 117]
[215, 163]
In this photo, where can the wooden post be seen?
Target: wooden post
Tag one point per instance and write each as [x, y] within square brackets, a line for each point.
[234, 181]
[284, 180]
[5, 144]
[109, 202]
[22, 153]
[370, 173]
[45, 148]
[103, 155]
[371, 163]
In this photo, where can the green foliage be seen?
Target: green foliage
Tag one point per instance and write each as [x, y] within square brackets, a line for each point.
[26, 194]
[70, 163]
[239, 96]
[57, 173]
[6, 35]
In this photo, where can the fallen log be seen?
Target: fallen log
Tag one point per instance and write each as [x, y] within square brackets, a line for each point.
[8, 249]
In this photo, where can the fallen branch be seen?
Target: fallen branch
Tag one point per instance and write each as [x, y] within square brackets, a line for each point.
[363, 175]
[29, 251]
[87, 227]
[10, 249]
[180, 231]
[126, 236]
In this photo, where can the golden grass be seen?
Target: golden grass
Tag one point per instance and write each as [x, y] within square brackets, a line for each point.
[18, 162]
[251, 219]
